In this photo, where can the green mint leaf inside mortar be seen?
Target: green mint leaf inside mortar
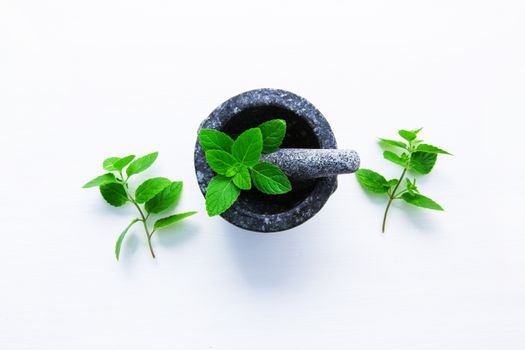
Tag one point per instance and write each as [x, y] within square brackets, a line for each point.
[237, 164]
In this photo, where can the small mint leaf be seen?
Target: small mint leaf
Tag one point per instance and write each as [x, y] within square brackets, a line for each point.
[107, 164]
[242, 179]
[114, 194]
[150, 188]
[269, 179]
[420, 201]
[116, 163]
[411, 186]
[393, 143]
[392, 182]
[222, 162]
[170, 220]
[166, 198]
[215, 140]
[391, 156]
[141, 164]
[273, 132]
[101, 180]
[248, 146]
[220, 195]
[408, 135]
[422, 162]
[431, 149]
[372, 181]
[122, 162]
[121, 238]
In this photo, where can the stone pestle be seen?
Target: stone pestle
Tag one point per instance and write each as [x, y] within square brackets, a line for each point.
[308, 163]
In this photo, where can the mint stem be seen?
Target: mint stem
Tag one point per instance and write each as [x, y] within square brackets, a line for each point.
[392, 196]
[143, 218]
[150, 246]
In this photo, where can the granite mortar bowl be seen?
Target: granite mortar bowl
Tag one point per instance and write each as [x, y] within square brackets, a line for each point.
[306, 128]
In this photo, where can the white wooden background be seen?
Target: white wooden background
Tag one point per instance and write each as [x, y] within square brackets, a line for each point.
[80, 81]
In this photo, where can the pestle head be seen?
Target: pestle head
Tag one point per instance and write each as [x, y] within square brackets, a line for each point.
[306, 163]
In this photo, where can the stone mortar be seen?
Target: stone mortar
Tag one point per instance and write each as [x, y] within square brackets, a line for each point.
[306, 129]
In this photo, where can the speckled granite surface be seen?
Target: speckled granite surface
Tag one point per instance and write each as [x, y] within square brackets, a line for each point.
[258, 212]
[302, 163]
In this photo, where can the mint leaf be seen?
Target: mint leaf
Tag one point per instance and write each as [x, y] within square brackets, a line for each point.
[394, 143]
[422, 162]
[269, 179]
[150, 188]
[222, 162]
[121, 238]
[430, 149]
[420, 201]
[122, 162]
[141, 164]
[392, 182]
[411, 186]
[220, 195]
[163, 200]
[242, 179]
[248, 146]
[114, 194]
[107, 164]
[170, 220]
[101, 180]
[372, 181]
[273, 132]
[391, 156]
[408, 135]
[116, 163]
[213, 139]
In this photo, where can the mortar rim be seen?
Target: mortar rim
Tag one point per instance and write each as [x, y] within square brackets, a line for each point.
[315, 200]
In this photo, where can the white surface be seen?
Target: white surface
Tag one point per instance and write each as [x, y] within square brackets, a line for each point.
[80, 81]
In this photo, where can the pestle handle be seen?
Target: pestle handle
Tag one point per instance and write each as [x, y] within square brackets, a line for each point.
[311, 163]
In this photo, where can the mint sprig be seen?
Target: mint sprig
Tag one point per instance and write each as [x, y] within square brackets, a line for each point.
[157, 194]
[237, 164]
[416, 157]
